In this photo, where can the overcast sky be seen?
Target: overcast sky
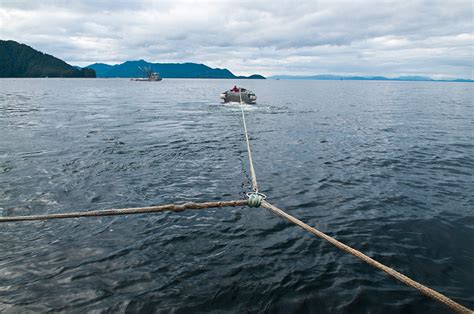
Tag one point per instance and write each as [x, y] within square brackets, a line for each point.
[433, 38]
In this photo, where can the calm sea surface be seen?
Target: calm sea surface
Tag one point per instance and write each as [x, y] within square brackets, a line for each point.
[386, 167]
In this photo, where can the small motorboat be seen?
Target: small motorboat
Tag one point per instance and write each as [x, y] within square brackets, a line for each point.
[240, 95]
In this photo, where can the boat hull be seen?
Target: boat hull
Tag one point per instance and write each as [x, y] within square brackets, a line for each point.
[146, 80]
[245, 97]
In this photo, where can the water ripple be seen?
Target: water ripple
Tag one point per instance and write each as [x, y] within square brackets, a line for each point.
[386, 167]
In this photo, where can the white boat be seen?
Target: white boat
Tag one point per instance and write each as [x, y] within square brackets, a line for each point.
[240, 95]
[148, 76]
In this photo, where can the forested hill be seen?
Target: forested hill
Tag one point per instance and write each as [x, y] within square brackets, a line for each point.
[19, 60]
[166, 70]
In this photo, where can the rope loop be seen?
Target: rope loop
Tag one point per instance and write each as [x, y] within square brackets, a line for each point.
[255, 199]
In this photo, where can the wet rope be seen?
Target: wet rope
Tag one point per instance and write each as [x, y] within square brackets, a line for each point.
[399, 276]
[127, 211]
[249, 152]
[255, 198]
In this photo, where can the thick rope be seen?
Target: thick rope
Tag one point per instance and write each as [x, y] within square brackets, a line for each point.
[127, 211]
[409, 282]
[254, 202]
[249, 151]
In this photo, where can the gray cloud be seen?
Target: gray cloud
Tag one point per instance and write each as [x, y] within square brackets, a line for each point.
[432, 38]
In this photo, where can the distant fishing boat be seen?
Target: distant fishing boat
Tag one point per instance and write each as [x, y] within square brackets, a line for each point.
[148, 76]
[240, 95]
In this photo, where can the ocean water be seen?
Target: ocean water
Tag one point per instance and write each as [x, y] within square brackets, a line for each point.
[386, 167]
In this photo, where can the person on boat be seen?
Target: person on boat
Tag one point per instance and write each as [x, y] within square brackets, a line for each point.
[235, 89]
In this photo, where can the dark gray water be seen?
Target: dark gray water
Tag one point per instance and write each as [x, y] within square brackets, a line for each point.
[386, 167]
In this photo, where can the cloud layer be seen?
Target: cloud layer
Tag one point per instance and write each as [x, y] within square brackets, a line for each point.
[434, 38]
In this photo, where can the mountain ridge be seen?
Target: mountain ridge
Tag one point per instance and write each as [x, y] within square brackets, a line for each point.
[20, 60]
[131, 68]
[332, 77]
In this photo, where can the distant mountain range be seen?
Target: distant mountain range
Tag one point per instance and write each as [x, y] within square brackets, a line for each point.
[166, 70]
[329, 77]
[19, 60]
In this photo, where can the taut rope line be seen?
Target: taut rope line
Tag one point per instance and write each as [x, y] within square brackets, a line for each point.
[127, 211]
[399, 276]
[249, 151]
[255, 198]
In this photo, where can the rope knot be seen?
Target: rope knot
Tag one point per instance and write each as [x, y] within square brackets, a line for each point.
[255, 199]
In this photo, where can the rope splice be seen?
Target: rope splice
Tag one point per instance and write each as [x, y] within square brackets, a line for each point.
[255, 199]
